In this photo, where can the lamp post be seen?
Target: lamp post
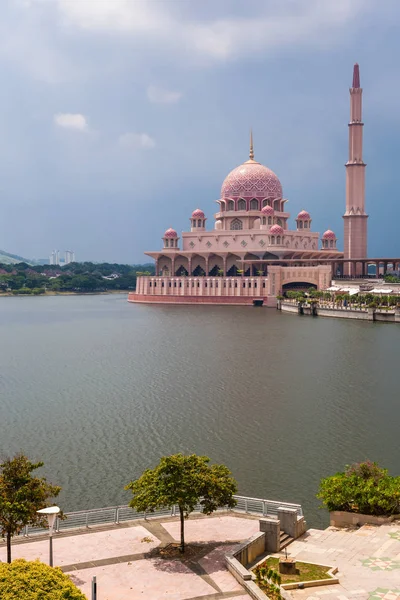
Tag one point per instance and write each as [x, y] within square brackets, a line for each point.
[51, 513]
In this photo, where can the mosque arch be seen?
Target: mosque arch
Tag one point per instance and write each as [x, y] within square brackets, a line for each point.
[254, 204]
[198, 265]
[269, 256]
[215, 265]
[265, 203]
[298, 285]
[242, 204]
[181, 271]
[236, 225]
[231, 205]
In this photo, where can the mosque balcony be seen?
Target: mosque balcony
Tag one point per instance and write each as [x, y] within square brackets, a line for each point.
[248, 213]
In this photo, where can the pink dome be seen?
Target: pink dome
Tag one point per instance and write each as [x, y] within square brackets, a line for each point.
[276, 230]
[303, 215]
[329, 235]
[251, 180]
[267, 210]
[198, 214]
[170, 233]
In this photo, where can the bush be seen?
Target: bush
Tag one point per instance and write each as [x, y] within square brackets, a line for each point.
[363, 488]
[23, 580]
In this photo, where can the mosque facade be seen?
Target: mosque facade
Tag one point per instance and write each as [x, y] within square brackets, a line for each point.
[251, 255]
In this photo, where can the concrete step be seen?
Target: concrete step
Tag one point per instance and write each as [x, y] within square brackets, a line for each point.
[285, 540]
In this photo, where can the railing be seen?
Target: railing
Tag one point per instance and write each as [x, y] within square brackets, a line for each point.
[118, 514]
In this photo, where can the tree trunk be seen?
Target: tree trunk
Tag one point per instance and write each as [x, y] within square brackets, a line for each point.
[8, 547]
[182, 515]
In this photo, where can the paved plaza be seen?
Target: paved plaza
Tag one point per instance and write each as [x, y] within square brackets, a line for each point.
[116, 556]
[368, 559]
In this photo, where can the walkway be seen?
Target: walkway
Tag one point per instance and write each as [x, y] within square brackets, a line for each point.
[368, 560]
[118, 557]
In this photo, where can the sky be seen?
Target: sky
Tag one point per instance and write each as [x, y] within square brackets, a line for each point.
[119, 117]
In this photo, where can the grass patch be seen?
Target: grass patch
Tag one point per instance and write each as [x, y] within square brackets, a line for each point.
[305, 571]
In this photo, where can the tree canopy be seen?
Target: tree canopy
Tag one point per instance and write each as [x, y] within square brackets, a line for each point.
[185, 481]
[362, 488]
[21, 495]
[33, 580]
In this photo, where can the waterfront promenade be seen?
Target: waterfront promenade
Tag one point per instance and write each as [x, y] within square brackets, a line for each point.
[124, 558]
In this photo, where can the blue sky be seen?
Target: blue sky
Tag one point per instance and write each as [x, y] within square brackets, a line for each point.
[119, 117]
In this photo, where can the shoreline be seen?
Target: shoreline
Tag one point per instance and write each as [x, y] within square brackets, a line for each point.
[46, 294]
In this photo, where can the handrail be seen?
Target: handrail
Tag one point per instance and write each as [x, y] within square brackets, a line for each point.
[118, 514]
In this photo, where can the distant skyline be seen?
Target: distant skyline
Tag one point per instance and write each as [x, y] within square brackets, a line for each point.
[120, 117]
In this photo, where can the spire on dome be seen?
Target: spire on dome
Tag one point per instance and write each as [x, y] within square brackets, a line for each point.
[251, 155]
[356, 76]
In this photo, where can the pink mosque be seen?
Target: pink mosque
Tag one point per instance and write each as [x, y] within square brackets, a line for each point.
[250, 256]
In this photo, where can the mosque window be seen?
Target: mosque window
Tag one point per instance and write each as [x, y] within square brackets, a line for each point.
[264, 221]
[169, 284]
[150, 283]
[241, 204]
[262, 243]
[279, 222]
[249, 284]
[254, 204]
[235, 284]
[208, 244]
[244, 284]
[166, 243]
[272, 239]
[269, 220]
[226, 244]
[236, 225]
[278, 239]
[305, 224]
[231, 205]
[243, 243]
[191, 244]
[265, 203]
[300, 224]
[162, 284]
[331, 243]
[194, 222]
[264, 284]
[199, 223]
[255, 284]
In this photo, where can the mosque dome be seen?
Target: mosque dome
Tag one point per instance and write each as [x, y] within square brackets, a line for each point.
[303, 215]
[251, 180]
[198, 214]
[329, 235]
[170, 233]
[276, 230]
[267, 210]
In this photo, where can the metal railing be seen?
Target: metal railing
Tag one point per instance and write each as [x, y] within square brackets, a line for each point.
[114, 515]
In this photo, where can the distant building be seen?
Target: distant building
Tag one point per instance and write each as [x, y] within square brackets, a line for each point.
[54, 258]
[69, 257]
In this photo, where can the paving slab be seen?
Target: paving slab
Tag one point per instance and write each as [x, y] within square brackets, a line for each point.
[218, 529]
[86, 547]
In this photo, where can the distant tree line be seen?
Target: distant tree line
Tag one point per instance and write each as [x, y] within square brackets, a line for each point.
[74, 277]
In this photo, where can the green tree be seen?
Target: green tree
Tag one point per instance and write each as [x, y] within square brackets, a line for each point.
[185, 481]
[21, 495]
[362, 488]
[29, 580]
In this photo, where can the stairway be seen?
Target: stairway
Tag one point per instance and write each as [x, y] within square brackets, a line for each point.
[285, 540]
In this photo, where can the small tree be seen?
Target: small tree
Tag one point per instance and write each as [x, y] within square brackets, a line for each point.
[185, 481]
[23, 580]
[21, 495]
[362, 488]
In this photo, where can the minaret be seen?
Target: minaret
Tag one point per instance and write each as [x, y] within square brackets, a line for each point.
[355, 218]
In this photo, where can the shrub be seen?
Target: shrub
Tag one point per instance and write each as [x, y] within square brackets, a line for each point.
[23, 580]
[362, 488]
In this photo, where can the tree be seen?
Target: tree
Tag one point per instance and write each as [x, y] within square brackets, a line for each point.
[21, 495]
[185, 481]
[25, 580]
[362, 488]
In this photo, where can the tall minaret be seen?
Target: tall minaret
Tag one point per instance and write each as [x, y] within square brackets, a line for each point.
[355, 218]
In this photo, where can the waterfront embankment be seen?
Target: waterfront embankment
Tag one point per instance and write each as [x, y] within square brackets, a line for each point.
[391, 315]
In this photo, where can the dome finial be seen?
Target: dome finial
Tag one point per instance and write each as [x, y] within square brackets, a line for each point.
[251, 155]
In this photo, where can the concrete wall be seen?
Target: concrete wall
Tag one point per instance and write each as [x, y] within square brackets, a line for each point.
[340, 518]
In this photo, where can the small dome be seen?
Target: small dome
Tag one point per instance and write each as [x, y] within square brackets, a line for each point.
[329, 235]
[303, 215]
[218, 224]
[267, 210]
[170, 233]
[276, 230]
[198, 214]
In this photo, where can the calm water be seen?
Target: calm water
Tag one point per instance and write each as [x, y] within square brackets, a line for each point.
[100, 389]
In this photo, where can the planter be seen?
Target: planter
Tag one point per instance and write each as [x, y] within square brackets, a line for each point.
[342, 518]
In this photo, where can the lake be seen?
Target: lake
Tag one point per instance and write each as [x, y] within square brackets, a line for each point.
[100, 389]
